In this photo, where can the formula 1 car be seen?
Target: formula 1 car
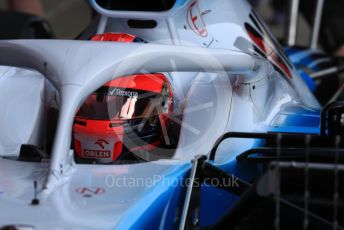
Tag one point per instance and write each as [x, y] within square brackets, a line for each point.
[167, 114]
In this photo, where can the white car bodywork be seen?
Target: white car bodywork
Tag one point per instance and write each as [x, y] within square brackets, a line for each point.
[16, 86]
[227, 90]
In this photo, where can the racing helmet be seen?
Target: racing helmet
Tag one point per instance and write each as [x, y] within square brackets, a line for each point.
[126, 115]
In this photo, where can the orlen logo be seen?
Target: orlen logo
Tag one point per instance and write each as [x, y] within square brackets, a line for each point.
[88, 153]
[101, 143]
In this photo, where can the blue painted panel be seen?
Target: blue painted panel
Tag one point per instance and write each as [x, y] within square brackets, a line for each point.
[215, 203]
[297, 119]
[306, 62]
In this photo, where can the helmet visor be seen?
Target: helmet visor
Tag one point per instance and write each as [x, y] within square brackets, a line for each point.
[111, 103]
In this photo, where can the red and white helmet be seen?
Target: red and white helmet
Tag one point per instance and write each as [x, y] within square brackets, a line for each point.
[124, 116]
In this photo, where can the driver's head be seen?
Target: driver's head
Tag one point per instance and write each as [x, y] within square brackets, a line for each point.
[125, 115]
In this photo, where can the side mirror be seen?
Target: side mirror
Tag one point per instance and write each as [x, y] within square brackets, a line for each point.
[31, 153]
